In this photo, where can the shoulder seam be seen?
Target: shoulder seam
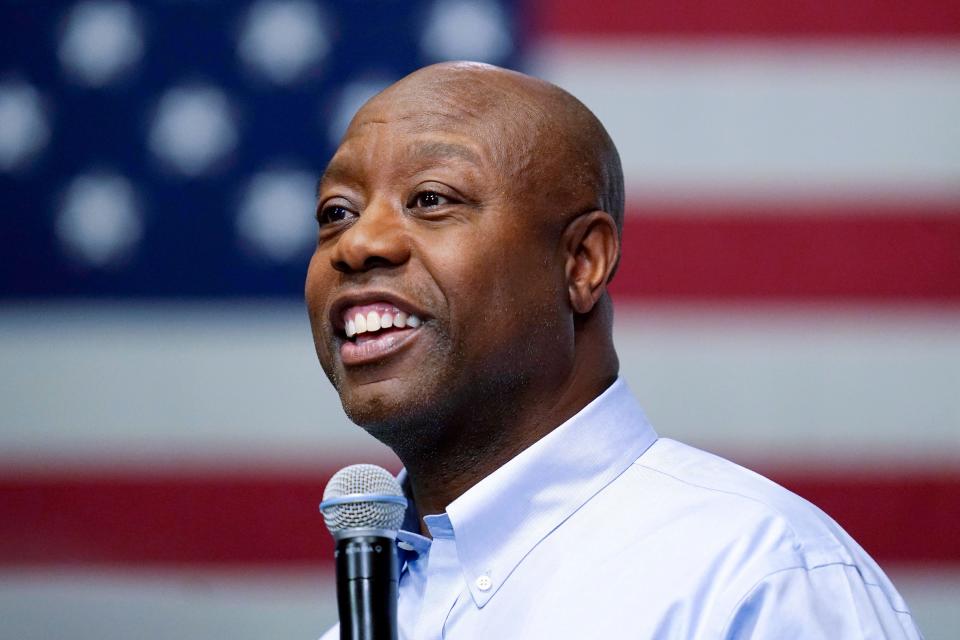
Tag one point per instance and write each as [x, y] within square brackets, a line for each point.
[730, 493]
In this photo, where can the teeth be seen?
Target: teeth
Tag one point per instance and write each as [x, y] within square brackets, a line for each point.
[374, 321]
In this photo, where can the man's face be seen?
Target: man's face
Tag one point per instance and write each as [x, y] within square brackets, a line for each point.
[422, 227]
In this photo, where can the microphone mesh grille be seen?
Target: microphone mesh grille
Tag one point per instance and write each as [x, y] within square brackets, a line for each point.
[363, 480]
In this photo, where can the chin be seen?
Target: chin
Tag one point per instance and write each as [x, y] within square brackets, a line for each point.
[381, 402]
[396, 413]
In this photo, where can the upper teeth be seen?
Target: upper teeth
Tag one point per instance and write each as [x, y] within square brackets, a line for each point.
[374, 321]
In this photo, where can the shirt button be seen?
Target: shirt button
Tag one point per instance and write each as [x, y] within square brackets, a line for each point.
[484, 583]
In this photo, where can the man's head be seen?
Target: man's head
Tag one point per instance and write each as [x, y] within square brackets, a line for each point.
[487, 205]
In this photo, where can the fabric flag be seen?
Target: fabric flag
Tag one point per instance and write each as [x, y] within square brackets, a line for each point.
[788, 296]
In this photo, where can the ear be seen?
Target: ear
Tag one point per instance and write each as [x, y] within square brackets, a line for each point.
[592, 247]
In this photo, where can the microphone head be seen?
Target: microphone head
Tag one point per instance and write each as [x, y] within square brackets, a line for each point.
[363, 496]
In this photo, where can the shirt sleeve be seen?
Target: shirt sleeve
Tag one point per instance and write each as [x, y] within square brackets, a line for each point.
[829, 602]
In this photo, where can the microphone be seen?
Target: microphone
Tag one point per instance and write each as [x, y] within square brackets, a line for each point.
[363, 506]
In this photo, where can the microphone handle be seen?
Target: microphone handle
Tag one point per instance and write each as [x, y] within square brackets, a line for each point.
[367, 576]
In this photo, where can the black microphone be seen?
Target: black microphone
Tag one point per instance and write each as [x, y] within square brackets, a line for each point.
[363, 506]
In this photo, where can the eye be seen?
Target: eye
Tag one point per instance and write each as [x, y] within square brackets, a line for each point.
[333, 213]
[428, 199]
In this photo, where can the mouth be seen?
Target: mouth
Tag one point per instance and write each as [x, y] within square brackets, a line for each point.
[373, 330]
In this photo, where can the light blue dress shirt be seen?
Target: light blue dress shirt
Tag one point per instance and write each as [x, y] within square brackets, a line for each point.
[603, 530]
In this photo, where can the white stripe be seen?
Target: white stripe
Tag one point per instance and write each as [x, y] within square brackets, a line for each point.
[771, 119]
[157, 383]
[932, 593]
[216, 384]
[250, 605]
[814, 384]
[159, 605]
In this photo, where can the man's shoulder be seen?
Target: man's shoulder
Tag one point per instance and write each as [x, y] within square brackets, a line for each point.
[702, 475]
[710, 524]
[727, 503]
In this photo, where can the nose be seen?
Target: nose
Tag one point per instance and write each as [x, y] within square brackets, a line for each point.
[377, 238]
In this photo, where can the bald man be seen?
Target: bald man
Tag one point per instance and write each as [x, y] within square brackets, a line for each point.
[469, 225]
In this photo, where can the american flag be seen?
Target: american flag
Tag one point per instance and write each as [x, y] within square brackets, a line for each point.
[789, 294]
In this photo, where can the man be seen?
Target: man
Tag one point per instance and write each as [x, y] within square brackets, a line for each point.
[469, 224]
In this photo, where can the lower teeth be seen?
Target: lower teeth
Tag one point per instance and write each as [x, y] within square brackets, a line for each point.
[370, 335]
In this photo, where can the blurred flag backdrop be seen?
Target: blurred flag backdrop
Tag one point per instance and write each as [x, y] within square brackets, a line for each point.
[789, 294]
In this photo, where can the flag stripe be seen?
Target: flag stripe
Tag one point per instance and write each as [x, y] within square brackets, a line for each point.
[161, 603]
[772, 121]
[220, 386]
[690, 252]
[108, 519]
[129, 519]
[895, 518]
[774, 18]
[247, 603]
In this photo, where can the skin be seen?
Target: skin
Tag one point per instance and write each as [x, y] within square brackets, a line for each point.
[489, 203]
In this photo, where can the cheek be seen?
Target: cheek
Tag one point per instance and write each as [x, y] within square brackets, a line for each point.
[473, 274]
[500, 283]
[314, 288]
[316, 291]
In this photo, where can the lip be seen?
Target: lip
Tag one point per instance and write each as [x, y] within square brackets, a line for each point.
[381, 348]
[370, 296]
[377, 349]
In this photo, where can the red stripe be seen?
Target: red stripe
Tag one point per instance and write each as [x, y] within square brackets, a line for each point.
[915, 520]
[770, 18]
[60, 519]
[162, 519]
[683, 253]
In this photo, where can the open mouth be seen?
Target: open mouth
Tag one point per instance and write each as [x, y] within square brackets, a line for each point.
[365, 323]
[372, 331]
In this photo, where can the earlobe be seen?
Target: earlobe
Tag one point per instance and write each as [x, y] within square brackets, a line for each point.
[593, 248]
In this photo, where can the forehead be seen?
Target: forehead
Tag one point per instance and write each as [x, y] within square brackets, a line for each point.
[384, 145]
[394, 129]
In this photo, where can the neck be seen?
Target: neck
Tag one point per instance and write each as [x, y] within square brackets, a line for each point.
[471, 448]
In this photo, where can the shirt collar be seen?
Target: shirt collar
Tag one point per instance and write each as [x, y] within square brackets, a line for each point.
[503, 517]
[409, 541]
